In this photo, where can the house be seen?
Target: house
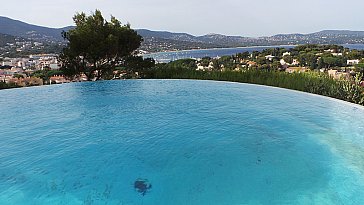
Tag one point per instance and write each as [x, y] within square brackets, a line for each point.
[7, 62]
[295, 62]
[211, 66]
[54, 66]
[332, 73]
[58, 79]
[251, 64]
[269, 57]
[338, 75]
[330, 50]
[200, 67]
[15, 70]
[283, 62]
[352, 62]
[296, 70]
[286, 54]
[222, 67]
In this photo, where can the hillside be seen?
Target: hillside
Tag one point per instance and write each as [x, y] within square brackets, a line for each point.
[174, 41]
[7, 39]
[34, 32]
[155, 41]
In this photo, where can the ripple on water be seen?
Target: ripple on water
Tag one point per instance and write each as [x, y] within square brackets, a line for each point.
[198, 142]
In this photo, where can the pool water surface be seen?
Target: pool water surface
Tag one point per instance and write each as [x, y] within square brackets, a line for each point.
[178, 142]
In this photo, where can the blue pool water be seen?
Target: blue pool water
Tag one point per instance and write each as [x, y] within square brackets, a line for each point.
[194, 142]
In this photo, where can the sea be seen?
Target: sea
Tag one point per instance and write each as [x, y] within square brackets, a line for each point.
[165, 57]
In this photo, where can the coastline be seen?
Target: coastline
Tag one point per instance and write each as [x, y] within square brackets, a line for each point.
[225, 48]
[242, 47]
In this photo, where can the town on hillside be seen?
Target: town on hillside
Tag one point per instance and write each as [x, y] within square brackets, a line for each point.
[336, 61]
[40, 69]
[29, 71]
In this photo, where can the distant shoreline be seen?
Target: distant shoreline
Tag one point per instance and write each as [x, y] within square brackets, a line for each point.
[223, 48]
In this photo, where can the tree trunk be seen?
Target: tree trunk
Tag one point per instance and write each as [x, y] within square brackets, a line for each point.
[88, 76]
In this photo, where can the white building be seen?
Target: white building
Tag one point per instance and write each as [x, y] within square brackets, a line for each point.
[286, 54]
[269, 57]
[295, 62]
[200, 67]
[283, 62]
[330, 50]
[352, 62]
[54, 66]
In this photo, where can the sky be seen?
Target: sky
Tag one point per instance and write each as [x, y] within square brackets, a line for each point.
[250, 18]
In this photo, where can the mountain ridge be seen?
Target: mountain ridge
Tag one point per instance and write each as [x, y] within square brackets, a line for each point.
[166, 40]
[18, 28]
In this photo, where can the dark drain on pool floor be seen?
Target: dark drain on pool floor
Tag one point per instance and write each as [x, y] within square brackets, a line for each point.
[142, 186]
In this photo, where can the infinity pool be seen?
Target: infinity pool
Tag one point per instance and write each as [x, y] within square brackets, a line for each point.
[178, 142]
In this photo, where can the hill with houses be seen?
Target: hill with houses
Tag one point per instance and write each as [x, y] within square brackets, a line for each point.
[28, 35]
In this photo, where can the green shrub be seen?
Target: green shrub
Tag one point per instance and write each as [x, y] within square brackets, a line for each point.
[311, 82]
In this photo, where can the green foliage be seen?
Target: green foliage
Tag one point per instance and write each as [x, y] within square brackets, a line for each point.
[4, 39]
[205, 61]
[183, 64]
[314, 48]
[273, 51]
[276, 65]
[360, 67]
[288, 59]
[312, 82]
[39, 74]
[227, 62]
[330, 61]
[267, 72]
[46, 74]
[137, 63]
[4, 85]
[355, 54]
[307, 59]
[18, 76]
[261, 60]
[97, 46]
[243, 55]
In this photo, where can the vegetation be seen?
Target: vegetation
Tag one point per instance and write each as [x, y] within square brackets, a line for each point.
[312, 82]
[4, 85]
[307, 82]
[46, 74]
[5, 39]
[97, 46]
[265, 68]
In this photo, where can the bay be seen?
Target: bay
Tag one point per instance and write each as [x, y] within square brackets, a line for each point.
[165, 57]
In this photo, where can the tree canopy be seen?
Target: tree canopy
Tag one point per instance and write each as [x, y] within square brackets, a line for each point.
[96, 46]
